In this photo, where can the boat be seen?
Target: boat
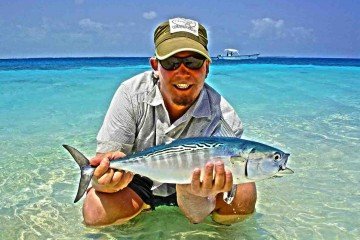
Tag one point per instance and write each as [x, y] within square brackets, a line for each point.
[233, 54]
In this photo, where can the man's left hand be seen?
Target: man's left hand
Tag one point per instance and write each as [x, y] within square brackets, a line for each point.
[211, 185]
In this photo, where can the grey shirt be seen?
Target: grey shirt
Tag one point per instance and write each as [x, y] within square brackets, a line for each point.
[137, 118]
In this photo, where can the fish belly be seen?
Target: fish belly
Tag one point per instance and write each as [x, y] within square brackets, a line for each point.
[173, 168]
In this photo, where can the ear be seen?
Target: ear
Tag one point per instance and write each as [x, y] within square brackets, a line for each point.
[207, 68]
[154, 64]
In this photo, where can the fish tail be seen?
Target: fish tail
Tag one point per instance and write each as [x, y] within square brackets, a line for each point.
[87, 171]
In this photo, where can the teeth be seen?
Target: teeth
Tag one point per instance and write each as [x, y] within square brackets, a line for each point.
[182, 86]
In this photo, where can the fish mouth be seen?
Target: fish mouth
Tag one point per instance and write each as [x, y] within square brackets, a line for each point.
[284, 160]
[283, 170]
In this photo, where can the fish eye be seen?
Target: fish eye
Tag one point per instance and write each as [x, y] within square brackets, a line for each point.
[277, 156]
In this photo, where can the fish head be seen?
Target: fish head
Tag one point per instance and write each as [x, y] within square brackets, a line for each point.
[264, 162]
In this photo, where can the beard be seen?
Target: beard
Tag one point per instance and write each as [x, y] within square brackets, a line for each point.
[183, 101]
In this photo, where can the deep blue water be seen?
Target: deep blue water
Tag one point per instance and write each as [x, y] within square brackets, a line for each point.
[71, 63]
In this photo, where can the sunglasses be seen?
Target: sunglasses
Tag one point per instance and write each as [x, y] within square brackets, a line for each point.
[191, 62]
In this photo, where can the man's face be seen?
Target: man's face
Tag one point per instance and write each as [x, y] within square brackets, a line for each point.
[182, 86]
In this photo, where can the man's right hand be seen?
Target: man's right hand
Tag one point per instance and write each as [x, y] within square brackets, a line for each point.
[106, 179]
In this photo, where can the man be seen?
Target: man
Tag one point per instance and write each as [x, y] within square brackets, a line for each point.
[158, 107]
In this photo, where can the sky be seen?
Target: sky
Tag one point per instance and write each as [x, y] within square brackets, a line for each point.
[121, 28]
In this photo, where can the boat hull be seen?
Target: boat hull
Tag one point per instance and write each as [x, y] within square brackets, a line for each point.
[239, 57]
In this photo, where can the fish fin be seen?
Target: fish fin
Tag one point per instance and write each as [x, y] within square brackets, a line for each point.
[87, 171]
[237, 158]
[156, 185]
[164, 190]
[229, 196]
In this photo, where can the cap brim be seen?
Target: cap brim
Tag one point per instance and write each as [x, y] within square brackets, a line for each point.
[180, 44]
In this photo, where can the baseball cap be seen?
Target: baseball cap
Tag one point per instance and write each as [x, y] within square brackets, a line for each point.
[178, 35]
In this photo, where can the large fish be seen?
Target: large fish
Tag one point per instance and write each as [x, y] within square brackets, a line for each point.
[248, 161]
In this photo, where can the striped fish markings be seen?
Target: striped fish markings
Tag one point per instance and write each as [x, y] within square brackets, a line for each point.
[248, 161]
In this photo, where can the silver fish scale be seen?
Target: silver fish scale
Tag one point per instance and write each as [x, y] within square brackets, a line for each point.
[183, 148]
[178, 165]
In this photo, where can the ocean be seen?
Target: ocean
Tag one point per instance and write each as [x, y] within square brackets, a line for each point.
[306, 106]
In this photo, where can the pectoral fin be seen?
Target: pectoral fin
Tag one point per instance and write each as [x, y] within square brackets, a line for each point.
[156, 185]
[163, 189]
[237, 158]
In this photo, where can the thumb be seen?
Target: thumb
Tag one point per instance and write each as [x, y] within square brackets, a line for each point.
[115, 155]
[95, 161]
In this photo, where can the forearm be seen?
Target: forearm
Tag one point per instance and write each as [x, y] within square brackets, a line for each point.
[195, 208]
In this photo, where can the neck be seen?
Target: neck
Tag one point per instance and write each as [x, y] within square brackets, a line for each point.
[175, 111]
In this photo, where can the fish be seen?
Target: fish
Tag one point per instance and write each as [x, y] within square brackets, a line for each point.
[249, 161]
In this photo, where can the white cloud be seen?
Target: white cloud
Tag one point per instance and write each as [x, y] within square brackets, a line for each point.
[149, 15]
[268, 28]
[88, 24]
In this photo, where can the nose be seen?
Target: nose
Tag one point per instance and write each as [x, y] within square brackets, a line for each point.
[182, 68]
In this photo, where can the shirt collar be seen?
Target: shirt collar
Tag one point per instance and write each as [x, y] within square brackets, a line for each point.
[154, 98]
[202, 105]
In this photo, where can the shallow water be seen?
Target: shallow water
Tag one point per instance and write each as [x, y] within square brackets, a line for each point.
[308, 107]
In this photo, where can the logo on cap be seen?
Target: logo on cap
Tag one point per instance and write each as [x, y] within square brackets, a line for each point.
[184, 25]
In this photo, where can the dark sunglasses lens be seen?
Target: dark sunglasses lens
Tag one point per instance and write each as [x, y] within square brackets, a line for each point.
[170, 63]
[193, 63]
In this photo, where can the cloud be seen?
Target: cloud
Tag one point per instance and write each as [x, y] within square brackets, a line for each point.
[88, 24]
[267, 28]
[270, 29]
[149, 15]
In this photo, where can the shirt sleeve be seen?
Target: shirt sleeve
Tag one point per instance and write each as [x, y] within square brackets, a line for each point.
[118, 130]
[231, 124]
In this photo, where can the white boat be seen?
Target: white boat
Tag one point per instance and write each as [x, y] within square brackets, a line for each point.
[233, 54]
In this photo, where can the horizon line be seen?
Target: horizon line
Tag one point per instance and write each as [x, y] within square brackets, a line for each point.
[78, 57]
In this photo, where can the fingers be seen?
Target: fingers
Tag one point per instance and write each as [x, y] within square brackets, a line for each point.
[102, 161]
[211, 184]
[208, 176]
[195, 181]
[102, 168]
[115, 155]
[126, 178]
[228, 181]
[107, 179]
[95, 161]
[220, 178]
[117, 177]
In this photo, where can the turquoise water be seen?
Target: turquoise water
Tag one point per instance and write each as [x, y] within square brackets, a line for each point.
[308, 107]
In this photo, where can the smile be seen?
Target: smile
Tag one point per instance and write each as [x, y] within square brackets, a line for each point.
[182, 86]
